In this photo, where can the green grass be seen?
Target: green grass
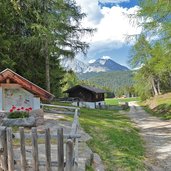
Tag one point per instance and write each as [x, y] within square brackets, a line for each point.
[115, 101]
[18, 114]
[115, 139]
[159, 106]
[163, 111]
[61, 103]
[89, 168]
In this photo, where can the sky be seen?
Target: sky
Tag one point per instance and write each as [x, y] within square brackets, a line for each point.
[111, 19]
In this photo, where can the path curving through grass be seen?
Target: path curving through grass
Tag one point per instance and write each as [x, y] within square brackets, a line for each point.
[114, 138]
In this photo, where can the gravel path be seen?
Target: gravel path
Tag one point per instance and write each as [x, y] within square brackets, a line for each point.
[157, 136]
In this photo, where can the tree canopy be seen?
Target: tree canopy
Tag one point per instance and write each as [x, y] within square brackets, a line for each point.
[35, 34]
[151, 51]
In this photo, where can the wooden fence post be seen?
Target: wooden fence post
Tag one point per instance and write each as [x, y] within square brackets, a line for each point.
[22, 149]
[60, 150]
[3, 149]
[69, 155]
[10, 150]
[76, 152]
[48, 149]
[35, 155]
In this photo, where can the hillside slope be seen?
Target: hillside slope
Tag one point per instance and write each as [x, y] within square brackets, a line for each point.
[113, 80]
[159, 105]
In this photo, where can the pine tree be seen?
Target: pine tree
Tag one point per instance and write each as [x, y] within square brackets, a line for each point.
[35, 34]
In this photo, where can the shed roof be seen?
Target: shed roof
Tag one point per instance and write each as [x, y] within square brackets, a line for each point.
[26, 84]
[92, 89]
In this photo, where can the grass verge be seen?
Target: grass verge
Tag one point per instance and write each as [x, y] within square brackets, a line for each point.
[115, 101]
[163, 111]
[159, 106]
[114, 138]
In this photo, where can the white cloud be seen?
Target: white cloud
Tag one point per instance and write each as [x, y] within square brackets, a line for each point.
[113, 24]
[91, 8]
[116, 24]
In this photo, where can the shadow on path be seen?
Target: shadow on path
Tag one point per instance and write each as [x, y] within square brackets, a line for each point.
[157, 136]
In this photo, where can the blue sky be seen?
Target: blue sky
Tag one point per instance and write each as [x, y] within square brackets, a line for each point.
[125, 4]
[113, 24]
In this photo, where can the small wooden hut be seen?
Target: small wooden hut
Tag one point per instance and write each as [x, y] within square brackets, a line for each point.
[86, 96]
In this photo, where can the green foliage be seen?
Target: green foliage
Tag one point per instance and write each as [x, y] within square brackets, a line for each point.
[119, 82]
[35, 34]
[140, 52]
[18, 114]
[89, 168]
[70, 80]
[157, 17]
[153, 54]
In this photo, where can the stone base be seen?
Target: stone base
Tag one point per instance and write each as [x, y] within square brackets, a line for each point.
[26, 122]
[36, 118]
[38, 115]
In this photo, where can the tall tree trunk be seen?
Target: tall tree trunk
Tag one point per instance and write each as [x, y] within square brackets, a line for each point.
[170, 78]
[47, 63]
[154, 87]
[158, 86]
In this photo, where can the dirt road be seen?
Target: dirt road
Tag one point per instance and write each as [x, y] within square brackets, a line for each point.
[157, 137]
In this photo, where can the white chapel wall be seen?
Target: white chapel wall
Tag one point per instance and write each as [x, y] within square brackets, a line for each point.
[18, 97]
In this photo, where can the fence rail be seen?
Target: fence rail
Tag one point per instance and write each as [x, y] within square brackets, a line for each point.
[65, 142]
[59, 109]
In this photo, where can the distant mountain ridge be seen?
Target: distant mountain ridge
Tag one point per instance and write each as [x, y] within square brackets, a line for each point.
[74, 65]
[104, 64]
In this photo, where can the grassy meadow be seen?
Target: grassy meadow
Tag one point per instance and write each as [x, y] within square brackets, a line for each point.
[114, 138]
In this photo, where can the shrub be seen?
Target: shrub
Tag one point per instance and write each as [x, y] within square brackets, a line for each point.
[18, 114]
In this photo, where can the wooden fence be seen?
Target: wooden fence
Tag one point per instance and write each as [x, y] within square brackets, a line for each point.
[67, 149]
[59, 109]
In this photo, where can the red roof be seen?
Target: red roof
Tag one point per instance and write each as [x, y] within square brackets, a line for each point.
[26, 84]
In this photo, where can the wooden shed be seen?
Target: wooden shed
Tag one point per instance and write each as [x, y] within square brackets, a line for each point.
[86, 95]
[17, 91]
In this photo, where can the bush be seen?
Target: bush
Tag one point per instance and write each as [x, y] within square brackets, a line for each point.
[18, 114]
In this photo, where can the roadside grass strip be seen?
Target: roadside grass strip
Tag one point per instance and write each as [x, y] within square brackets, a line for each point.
[115, 101]
[114, 138]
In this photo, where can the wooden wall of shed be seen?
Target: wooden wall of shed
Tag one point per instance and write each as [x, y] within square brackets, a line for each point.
[86, 95]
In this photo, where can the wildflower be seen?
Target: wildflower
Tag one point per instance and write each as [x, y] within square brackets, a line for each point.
[13, 107]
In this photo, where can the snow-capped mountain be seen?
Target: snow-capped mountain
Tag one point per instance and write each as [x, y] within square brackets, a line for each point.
[103, 64]
[74, 65]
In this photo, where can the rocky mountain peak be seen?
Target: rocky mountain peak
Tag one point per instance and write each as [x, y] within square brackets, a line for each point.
[103, 64]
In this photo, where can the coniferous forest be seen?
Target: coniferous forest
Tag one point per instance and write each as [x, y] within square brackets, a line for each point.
[117, 82]
[35, 34]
